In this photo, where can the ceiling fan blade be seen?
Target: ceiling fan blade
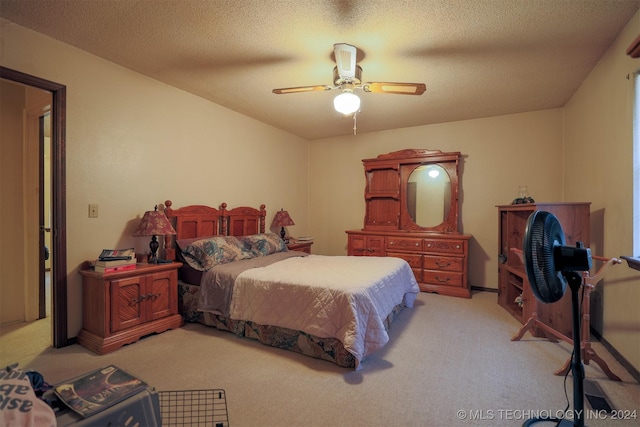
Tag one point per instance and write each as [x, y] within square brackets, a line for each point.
[395, 88]
[345, 60]
[286, 90]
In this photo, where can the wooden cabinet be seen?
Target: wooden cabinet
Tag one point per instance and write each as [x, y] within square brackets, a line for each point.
[121, 307]
[514, 291]
[411, 212]
[302, 246]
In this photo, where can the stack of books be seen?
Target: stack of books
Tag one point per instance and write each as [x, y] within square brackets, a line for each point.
[112, 260]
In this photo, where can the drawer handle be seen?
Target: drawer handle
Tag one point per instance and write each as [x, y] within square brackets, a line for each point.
[443, 264]
[457, 246]
[417, 245]
[138, 300]
[445, 280]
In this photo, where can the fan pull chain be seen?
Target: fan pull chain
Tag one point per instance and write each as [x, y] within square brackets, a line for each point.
[355, 124]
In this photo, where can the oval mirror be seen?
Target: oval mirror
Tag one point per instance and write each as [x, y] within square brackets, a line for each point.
[429, 195]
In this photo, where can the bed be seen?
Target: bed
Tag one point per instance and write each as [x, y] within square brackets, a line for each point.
[237, 278]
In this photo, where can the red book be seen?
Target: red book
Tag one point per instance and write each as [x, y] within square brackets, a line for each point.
[106, 270]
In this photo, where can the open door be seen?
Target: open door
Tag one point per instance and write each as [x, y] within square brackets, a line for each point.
[58, 203]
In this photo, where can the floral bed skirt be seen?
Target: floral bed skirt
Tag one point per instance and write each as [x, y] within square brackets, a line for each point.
[330, 349]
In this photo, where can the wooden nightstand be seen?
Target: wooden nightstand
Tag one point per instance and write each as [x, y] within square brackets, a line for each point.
[121, 307]
[305, 246]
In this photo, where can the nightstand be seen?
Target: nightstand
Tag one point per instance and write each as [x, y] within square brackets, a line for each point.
[121, 307]
[305, 246]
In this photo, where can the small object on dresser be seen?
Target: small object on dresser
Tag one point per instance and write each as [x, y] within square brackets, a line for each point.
[117, 254]
[113, 269]
[523, 196]
[111, 260]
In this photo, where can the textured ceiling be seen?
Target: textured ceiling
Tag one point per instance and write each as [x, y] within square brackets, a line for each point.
[478, 58]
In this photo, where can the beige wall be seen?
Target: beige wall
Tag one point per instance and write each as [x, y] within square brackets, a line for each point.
[133, 142]
[499, 154]
[598, 151]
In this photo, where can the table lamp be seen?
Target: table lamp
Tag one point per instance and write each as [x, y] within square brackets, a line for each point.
[154, 223]
[282, 219]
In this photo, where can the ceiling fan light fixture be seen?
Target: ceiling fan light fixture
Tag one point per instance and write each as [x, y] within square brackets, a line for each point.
[347, 102]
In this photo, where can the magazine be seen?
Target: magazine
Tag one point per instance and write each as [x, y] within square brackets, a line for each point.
[117, 254]
[98, 390]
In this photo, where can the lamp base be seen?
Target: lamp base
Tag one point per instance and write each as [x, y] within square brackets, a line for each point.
[153, 245]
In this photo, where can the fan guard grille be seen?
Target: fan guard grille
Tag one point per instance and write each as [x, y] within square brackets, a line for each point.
[543, 234]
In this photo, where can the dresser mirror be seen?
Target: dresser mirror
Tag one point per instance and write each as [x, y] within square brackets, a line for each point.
[429, 194]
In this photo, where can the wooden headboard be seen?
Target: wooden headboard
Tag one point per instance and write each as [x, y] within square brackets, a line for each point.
[201, 221]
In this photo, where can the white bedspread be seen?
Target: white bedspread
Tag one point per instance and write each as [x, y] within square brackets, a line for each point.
[343, 297]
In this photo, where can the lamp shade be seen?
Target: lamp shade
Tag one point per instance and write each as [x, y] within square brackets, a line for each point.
[154, 223]
[282, 219]
[347, 102]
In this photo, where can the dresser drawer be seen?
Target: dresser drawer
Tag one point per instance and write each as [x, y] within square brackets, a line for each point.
[443, 263]
[442, 278]
[415, 261]
[403, 243]
[447, 246]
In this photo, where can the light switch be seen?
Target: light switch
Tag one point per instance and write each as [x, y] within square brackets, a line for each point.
[93, 210]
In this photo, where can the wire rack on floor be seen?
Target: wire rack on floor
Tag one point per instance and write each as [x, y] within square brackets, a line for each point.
[194, 408]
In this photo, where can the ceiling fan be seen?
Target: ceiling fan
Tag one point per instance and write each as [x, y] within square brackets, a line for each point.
[347, 76]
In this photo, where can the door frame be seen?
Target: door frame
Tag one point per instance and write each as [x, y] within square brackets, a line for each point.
[58, 198]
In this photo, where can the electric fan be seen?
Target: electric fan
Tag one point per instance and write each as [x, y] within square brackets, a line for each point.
[550, 266]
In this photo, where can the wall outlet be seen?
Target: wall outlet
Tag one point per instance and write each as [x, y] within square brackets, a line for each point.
[93, 210]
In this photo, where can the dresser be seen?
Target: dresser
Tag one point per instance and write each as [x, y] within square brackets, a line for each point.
[412, 212]
[439, 261]
[514, 290]
[121, 307]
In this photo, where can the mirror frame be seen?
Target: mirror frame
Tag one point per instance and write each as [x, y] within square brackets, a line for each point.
[449, 223]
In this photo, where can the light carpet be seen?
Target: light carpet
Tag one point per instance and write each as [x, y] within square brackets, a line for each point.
[449, 362]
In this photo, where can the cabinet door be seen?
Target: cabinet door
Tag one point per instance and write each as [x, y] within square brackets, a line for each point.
[161, 294]
[363, 245]
[376, 246]
[383, 213]
[127, 302]
[357, 245]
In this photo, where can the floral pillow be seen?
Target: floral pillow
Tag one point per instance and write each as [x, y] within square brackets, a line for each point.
[264, 244]
[205, 254]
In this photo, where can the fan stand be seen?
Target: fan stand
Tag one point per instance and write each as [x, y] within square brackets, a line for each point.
[588, 353]
[577, 368]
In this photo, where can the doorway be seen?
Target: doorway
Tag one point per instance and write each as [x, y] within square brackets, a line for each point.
[57, 208]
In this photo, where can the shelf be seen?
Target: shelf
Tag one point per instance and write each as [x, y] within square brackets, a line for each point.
[516, 284]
